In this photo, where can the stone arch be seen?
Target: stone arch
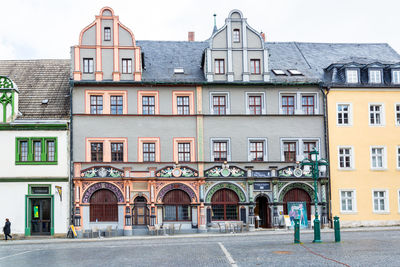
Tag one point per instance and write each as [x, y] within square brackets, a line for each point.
[103, 11]
[305, 186]
[102, 185]
[235, 11]
[262, 194]
[241, 194]
[179, 186]
[139, 194]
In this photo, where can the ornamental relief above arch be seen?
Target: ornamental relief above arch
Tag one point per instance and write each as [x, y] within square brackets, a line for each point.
[180, 186]
[102, 185]
[240, 192]
[305, 186]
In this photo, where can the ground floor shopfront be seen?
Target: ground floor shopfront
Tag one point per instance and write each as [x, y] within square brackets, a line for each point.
[35, 206]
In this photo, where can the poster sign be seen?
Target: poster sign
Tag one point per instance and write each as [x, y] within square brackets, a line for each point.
[35, 211]
[288, 223]
[298, 210]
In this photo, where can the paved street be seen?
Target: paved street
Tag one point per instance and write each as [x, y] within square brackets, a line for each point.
[377, 248]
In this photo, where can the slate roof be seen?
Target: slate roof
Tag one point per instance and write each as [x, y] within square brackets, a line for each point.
[38, 80]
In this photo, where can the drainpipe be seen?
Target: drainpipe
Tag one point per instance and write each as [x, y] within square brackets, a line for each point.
[71, 166]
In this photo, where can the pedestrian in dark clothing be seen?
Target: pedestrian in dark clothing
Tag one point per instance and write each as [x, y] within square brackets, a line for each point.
[7, 229]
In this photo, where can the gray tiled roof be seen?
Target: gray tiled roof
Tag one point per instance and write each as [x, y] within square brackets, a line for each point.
[38, 80]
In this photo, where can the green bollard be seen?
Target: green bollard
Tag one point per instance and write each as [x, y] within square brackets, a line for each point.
[296, 231]
[336, 224]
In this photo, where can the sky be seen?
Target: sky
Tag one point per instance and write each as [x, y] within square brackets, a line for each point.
[41, 29]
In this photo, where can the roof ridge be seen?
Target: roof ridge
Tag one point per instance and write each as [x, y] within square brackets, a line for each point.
[325, 43]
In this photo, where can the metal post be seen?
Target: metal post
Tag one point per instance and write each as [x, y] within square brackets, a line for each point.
[317, 225]
[297, 231]
[337, 228]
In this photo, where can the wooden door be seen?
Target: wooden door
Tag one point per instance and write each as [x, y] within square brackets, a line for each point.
[40, 216]
[297, 195]
[140, 211]
[103, 206]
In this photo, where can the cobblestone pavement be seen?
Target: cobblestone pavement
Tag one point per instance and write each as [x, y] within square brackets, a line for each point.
[374, 248]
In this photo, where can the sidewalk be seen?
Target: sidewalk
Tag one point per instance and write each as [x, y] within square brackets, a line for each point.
[266, 232]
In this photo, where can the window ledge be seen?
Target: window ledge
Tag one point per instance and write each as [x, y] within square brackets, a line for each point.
[349, 212]
[378, 169]
[377, 125]
[36, 163]
[381, 212]
[346, 169]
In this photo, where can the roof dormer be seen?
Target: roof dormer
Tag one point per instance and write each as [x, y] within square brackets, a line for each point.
[8, 100]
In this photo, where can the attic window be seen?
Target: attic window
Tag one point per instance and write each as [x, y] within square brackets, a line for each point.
[179, 71]
[295, 72]
[45, 101]
[278, 72]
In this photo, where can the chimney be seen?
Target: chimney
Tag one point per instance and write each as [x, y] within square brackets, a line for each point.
[191, 36]
[263, 36]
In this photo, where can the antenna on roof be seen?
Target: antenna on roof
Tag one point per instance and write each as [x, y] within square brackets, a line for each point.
[215, 23]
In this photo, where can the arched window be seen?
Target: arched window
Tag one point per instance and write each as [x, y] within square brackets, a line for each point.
[103, 206]
[224, 205]
[176, 206]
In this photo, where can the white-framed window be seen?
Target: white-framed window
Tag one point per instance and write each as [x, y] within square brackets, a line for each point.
[397, 114]
[107, 34]
[398, 198]
[348, 201]
[375, 76]
[380, 200]
[395, 76]
[344, 114]
[219, 103]
[376, 115]
[126, 65]
[345, 157]
[378, 157]
[220, 149]
[255, 103]
[257, 149]
[291, 103]
[219, 66]
[88, 65]
[297, 149]
[398, 156]
[352, 76]
[236, 36]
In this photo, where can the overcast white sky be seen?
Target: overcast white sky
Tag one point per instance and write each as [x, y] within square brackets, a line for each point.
[31, 29]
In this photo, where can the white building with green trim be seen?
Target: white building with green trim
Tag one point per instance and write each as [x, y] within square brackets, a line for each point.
[34, 133]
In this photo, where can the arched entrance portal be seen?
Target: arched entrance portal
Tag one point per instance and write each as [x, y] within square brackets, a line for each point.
[140, 211]
[297, 195]
[103, 206]
[263, 211]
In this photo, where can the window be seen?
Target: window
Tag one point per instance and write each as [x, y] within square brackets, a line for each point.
[117, 104]
[307, 105]
[88, 65]
[219, 105]
[289, 151]
[224, 205]
[148, 105]
[236, 36]
[345, 158]
[149, 152]
[256, 150]
[378, 158]
[36, 150]
[398, 157]
[220, 151]
[396, 76]
[352, 76]
[255, 66]
[176, 206]
[308, 147]
[347, 201]
[343, 114]
[288, 105]
[182, 103]
[294, 72]
[219, 66]
[126, 65]
[107, 34]
[96, 104]
[397, 107]
[380, 200]
[375, 76]
[184, 152]
[117, 152]
[375, 114]
[255, 105]
[278, 72]
[96, 151]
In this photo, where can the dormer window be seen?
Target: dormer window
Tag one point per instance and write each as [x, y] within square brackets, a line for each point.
[396, 76]
[107, 34]
[236, 36]
[255, 66]
[375, 76]
[351, 76]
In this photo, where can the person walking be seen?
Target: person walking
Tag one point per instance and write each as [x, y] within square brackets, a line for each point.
[7, 229]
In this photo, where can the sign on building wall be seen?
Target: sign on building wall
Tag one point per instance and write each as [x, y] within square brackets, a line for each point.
[262, 186]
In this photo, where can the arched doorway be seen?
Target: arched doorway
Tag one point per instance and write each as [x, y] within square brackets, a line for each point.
[297, 195]
[176, 206]
[224, 205]
[263, 210]
[140, 211]
[103, 206]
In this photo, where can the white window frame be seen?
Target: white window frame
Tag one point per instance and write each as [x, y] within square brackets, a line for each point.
[375, 79]
[397, 123]
[382, 114]
[398, 199]
[221, 139]
[352, 162]
[265, 147]
[299, 146]
[227, 98]
[386, 199]
[350, 114]
[398, 157]
[396, 76]
[348, 76]
[384, 158]
[298, 101]
[263, 106]
[90, 65]
[353, 198]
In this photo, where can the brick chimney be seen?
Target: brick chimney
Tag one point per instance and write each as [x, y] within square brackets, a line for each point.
[263, 36]
[191, 36]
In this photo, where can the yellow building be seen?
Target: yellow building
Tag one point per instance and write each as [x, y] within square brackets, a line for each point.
[363, 107]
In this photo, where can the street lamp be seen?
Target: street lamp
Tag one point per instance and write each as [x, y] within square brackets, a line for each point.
[316, 165]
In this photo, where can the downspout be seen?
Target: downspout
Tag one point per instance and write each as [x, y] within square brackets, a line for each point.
[71, 187]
